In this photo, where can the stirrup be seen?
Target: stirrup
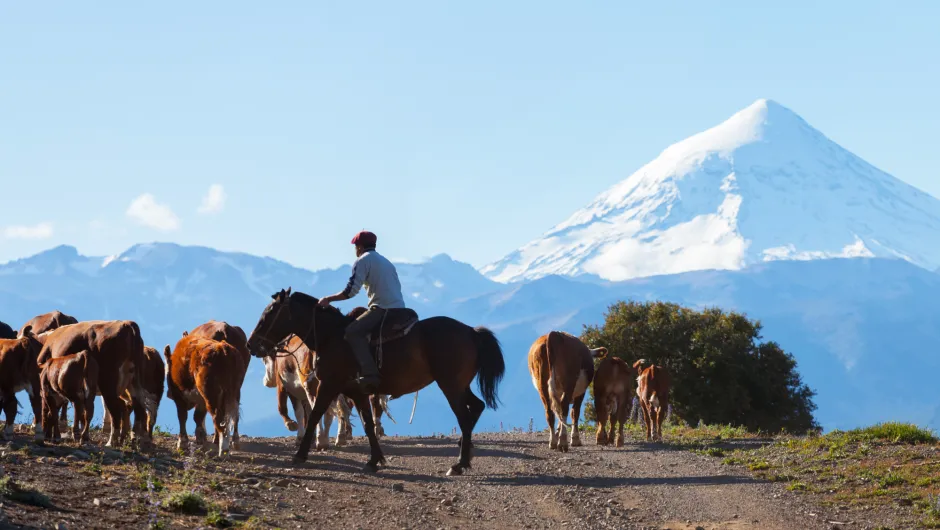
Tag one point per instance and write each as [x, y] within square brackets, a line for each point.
[368, 384]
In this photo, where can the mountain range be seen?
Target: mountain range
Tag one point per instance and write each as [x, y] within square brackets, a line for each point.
[761, 214]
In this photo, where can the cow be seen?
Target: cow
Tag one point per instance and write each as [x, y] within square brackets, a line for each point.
[613, 397]
[48, 322]
[653, 391]
[19, 371]
[117, 347]
[562, 367]
[291, 372]
[73, 379]
[154, 375]
[234, 335]
[205, 374]
[6, 332]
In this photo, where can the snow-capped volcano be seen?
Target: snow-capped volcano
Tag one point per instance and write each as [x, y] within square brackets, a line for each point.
[764, 185]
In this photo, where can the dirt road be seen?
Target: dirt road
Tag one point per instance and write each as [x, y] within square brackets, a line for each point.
[516, 482]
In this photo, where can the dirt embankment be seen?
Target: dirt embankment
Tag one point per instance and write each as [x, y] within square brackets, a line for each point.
[516, 482]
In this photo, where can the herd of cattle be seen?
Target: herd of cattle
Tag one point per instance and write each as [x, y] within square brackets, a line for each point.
[58, 360]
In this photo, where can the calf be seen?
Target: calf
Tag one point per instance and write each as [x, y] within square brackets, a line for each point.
[19, 371]
[118, 348]
[562, 367]
[72, 379]
[205, 374]
[613, 382]
[291, 372]
[653, 391]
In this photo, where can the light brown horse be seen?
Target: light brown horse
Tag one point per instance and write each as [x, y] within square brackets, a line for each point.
[291, 372]
[437, 349]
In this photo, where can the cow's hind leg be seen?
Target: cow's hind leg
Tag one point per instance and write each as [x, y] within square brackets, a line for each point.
[600, 410]
[620, 417]
[79, 407]
[88, 414]
[199, 417]
[549, 414]
[182, 413]
[115, 406]
[575, 418]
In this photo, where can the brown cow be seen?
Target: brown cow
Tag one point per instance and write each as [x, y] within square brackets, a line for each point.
[562, 367]
[6, 332]
[653, 391]
[613, 396]
[19, 371]
[154, 375]
[205, 374]
[291, 372]
[72, 379]
[48, 322]
[234, 335]
[119, 350]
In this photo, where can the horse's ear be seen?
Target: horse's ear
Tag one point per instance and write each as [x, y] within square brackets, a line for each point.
[288, 290]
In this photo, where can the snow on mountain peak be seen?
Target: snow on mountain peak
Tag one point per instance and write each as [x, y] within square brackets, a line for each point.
[763, 185]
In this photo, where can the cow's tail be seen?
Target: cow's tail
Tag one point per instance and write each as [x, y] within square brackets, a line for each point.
[490, 365]
[87, 386]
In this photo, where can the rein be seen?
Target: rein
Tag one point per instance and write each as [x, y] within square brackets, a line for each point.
[313, 328]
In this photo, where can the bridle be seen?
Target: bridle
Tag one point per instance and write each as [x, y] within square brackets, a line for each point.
[275, 345]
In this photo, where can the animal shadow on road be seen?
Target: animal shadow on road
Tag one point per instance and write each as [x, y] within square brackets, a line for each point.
[615, 482]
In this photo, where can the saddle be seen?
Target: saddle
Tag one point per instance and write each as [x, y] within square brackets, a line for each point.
[397, 324]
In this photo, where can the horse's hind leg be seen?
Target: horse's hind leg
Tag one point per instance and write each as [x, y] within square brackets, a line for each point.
[376, 401]
[467, 412]
[475, 406]
[362, 405]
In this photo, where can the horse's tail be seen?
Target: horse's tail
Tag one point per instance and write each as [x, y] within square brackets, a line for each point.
[490, 364]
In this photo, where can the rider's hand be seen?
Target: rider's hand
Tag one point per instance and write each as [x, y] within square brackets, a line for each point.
[324, 302]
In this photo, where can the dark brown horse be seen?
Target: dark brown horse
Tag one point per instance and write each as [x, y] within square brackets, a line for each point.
[437, 349]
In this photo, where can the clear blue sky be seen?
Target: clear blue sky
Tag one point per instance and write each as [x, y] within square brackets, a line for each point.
[460, 127]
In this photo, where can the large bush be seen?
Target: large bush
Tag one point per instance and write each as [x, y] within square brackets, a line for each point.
[721, 372]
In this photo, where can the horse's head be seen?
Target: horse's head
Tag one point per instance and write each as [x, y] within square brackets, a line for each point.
[276, 322]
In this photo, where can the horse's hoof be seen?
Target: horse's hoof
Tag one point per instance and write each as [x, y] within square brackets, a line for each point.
[576, 443]
[298, 459]
[291, 426]
[454, 471]
[371, 467]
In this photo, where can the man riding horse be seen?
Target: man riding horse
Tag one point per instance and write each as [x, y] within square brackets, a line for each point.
[378, 275]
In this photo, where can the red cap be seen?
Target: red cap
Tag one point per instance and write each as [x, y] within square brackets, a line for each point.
[365, 239]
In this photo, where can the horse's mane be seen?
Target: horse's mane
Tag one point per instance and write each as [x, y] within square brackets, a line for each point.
[307, 299]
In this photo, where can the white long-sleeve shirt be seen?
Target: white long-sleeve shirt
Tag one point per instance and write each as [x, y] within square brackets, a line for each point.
[380, 279]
